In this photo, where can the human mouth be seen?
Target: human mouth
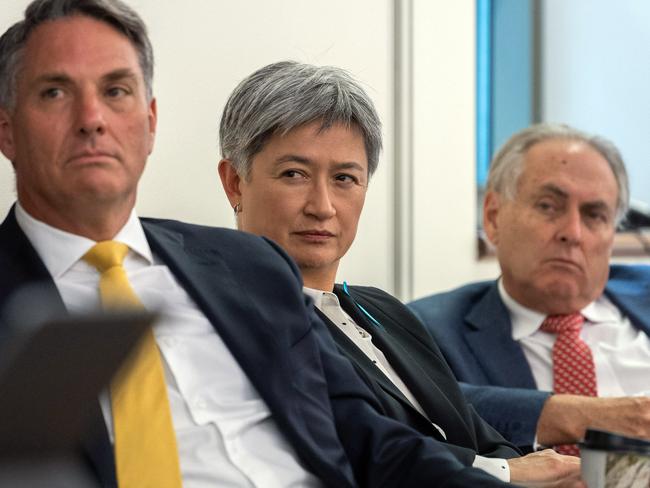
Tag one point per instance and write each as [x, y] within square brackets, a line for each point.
[564, 263]
[91, 157]
[315, 235]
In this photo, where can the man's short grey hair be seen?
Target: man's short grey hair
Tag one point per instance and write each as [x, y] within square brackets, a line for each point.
[283, 96]
[113, 12]
[507, 164]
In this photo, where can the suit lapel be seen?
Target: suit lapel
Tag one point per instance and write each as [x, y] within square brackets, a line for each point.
[488, 329]
[432, 399]
[633, 299]
[261, 336]
[22, 266]
[209, 281]
[357, 355]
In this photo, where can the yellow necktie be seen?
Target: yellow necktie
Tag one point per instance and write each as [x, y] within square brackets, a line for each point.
[145, 443]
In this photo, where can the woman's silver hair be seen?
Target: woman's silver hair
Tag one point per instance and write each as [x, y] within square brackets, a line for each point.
[113, 12]
[507, 164]
[282, 96]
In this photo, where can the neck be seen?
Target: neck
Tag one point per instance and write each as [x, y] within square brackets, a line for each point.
[318, 279]
[547, 301]
[94, 221]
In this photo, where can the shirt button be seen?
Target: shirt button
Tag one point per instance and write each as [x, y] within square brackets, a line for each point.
[200, 403]
[170, 342]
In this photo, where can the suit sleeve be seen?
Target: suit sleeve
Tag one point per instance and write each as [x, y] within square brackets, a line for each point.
[513, 412]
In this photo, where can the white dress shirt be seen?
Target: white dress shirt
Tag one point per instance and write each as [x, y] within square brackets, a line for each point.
[225, 432]
[621, 352]
[328, 303]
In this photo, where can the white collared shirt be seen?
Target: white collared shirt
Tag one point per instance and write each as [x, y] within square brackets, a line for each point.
[621, 352]
[328, 303]
[225, 432]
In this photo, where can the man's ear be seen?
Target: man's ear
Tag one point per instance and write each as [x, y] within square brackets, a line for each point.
[7, 136]
[491, 207]
[153, 122]
[230, 180]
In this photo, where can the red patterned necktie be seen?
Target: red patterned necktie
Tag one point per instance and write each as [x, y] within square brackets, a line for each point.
[573, 363]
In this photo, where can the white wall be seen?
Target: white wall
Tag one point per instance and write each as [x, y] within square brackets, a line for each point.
[444, 184]
[205, 47]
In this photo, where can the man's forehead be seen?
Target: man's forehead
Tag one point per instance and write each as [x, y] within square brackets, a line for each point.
[60, 40]
[560, 159]
[557, 149]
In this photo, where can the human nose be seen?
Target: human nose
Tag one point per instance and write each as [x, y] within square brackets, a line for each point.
[90, 115]
[319, 201]
[571, 227]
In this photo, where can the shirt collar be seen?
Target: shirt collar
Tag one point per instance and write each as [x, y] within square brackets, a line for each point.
[602, 310]
[322, 298]
[60, 250]
[525, 322]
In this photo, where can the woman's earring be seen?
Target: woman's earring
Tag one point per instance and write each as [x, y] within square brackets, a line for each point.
[237, 208]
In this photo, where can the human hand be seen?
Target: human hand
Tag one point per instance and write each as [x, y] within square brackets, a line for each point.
[545, 469]
[565, 418]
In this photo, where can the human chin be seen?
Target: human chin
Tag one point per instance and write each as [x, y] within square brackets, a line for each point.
[308, 259]
[102, 184]
[562, 287]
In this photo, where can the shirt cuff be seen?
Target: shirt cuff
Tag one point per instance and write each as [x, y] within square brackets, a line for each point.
[497, 467]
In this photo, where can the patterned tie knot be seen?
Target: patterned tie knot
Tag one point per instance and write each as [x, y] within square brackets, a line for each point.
[106, 254]
[563, 324]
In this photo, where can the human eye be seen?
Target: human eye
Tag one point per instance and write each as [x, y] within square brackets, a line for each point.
[51, 93]
[346, 179]
[292, 174]
[546, 206]
[117, 91]
[597, 216]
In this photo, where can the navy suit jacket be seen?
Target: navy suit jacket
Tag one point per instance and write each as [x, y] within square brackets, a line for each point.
[472, 327]
[420, 364]
[251, 293]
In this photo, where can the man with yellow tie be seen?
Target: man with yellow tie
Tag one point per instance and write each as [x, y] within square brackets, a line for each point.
[239, 383]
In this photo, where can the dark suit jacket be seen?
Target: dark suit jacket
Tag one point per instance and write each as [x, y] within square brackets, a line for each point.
[420, 364]
[251, 293]
[472, 327]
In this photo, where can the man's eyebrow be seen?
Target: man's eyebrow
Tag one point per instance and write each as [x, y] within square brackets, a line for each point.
[596, 205]
[120, 74]
[554, 189]
[53, 77]
[62, 78]
[559, 192]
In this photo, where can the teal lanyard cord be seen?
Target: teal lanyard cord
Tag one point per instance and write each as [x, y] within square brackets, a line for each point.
[366, 313]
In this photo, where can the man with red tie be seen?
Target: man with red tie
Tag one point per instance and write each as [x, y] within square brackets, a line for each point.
[560, 318]
[238, 384]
